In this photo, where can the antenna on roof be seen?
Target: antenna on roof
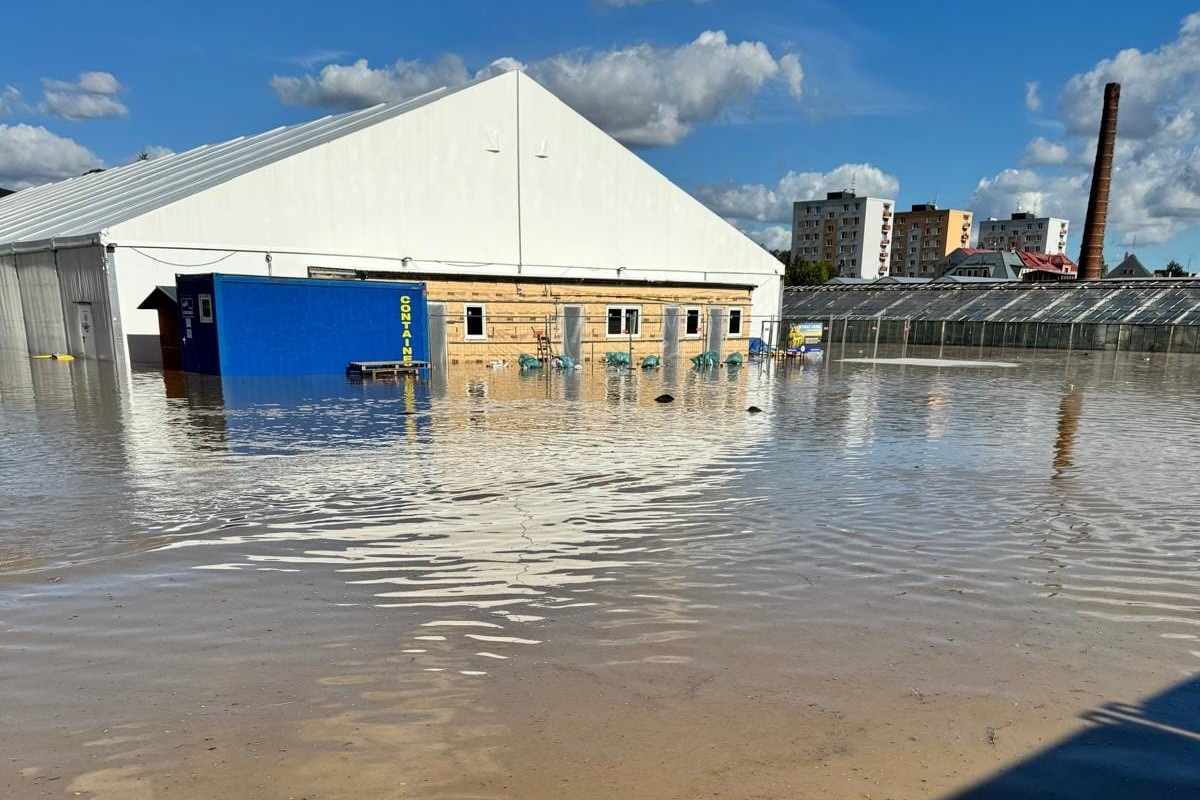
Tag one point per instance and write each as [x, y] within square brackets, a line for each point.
[853, 181]
[935, 194]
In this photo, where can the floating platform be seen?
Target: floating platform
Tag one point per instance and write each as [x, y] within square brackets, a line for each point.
[363, 370]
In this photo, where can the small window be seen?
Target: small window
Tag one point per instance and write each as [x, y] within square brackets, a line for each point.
[206, 311]
[476, 321]
[624, 320]
[691, 322]
[735, 322]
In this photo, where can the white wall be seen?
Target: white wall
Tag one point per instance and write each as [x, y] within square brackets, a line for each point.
[873, 237]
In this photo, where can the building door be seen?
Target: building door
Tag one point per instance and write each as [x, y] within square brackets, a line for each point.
[716, 329]
[670, 332]
[83, 314]
[572, 343]
[437, 337]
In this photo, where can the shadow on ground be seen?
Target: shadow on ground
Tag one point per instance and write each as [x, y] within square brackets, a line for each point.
[1149, 751]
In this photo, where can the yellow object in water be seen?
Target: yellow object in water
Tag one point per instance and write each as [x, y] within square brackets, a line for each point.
[58, 357]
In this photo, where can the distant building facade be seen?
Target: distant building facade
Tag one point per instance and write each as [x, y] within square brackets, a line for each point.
[924, 236]
[850, 233]
[1024, 231]
[1005, 265]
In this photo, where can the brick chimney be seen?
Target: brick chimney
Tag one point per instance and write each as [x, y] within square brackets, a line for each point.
[1091, 254]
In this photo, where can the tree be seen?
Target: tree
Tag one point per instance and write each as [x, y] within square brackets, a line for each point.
[808, 273]
[1175, 270]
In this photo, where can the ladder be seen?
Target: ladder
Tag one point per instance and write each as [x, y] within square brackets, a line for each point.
[545, 349]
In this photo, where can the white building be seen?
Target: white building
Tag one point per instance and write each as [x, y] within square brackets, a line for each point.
[1025, 232]
[494, 179]
[850, 233]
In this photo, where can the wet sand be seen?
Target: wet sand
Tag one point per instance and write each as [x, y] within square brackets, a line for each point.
[895, 583]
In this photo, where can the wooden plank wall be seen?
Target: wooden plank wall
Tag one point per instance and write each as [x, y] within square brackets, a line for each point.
[515, 310]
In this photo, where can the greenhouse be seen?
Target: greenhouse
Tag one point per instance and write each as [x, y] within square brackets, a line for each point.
[1149, 315]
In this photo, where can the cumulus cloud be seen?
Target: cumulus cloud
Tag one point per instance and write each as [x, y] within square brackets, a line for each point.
[1033, 100]
[30, 155]
[756, 202]
[772, 237]
[96, 95]
[1043, 152]
[643, 94]
[1156, 176]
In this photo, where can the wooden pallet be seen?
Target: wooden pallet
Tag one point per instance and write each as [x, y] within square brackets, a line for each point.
[384, 369]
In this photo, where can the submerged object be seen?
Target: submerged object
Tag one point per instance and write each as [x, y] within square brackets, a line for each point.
[650, 362]
[617, 359]
[664, 398]
[498, 364]
[56, 357]
[734, 358]
[706, 360]
[528, 362]
[754, 410]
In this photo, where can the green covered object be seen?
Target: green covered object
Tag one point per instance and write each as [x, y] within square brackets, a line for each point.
[617, 359]
[564, 362]
[649, 362]
[706, 360]
[529, 362]
[734, 358]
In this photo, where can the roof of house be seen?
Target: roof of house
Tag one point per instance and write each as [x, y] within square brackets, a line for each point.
[93, 202]
[1001, 265]
[1048, 262]
[163, 297]
[1129, 268]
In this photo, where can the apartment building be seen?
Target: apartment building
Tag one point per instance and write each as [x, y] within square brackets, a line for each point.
[1024, 231]
[924, 236]
[851, 233]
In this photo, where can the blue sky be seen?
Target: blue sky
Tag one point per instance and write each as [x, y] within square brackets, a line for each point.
[748, 104]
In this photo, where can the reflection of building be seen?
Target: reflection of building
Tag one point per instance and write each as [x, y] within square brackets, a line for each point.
[1068, 423]
[1024, 231]
[924, 236]
[851, 233]
[494, 192]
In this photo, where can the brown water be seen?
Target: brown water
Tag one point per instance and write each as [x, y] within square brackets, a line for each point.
[895, 582]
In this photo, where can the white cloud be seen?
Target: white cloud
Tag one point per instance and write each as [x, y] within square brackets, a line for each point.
[1033, 101]
[772, 237]
[30, 155]
[10, 100]
[745, 203]
[1043, 152]
[96, 95]
[1156, 175]
[642, 95]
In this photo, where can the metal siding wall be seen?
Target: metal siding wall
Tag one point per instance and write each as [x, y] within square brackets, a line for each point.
[82, 280]
[41, 302]
[12, 317]
[670, 334]
[573, 333]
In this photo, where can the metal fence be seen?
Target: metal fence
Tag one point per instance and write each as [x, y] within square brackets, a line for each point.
[892, 331]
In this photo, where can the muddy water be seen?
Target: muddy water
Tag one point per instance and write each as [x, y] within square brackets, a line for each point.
[897, 581]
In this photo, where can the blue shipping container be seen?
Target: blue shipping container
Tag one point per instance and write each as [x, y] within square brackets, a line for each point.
[255, 325]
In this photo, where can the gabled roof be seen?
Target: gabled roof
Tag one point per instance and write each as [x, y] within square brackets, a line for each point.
[1047, 262]
[91, 203]
[999, 265]
[163, 297]
[1129, 268]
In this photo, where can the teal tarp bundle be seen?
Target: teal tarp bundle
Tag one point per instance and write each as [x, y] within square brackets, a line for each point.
[649, 362]
[564, 362]
[706, 360]
[528, 362]
[617, 359]
[734, 358]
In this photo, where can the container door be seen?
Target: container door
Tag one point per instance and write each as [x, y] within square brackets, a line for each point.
[83, 314]
[716, 329]
[437, 337]
[572, 344]
[670, 334]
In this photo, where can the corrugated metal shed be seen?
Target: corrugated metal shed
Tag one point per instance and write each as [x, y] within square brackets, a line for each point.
[86, 205]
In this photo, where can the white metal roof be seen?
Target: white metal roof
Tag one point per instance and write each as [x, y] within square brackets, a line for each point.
[91, 203]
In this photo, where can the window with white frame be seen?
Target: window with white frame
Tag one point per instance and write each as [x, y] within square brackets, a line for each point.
[691, 321]
[624, 321]
[735, 321]
[206, 307]
[476, 320]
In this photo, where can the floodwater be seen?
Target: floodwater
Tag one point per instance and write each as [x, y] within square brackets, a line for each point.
[898, 581]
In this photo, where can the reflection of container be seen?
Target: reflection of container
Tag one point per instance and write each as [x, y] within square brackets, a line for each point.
[255, 325]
